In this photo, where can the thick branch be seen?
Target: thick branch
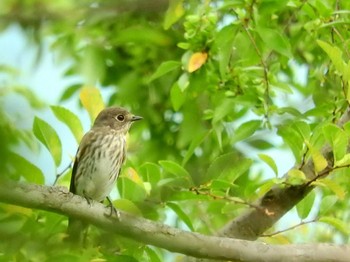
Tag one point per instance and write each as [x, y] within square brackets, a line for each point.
[275, 203]
[57, 199]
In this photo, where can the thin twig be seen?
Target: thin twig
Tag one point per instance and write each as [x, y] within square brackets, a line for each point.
[198, 191]
[61, 173]
[289, 228]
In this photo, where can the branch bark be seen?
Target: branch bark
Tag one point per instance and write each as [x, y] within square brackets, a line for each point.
[59, 200]
[276, 202]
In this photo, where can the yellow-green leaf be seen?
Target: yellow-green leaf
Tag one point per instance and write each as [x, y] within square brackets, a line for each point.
[337, 223]
[174, 13]
[127, 206]
[133, 175]
[320, 162]
[337, 189]
[91, 99]
[345, 161]
[296, 177]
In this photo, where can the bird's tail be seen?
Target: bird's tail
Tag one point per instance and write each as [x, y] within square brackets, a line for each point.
[77, 231]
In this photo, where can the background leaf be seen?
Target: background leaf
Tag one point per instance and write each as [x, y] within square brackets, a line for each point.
[91, 99]
[181, 214]
[165, 68]
[271, 163]
[29, 171]
[245, 130]
[49, 138]
[70, 119]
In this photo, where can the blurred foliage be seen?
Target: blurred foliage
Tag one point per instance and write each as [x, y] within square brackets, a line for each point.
[214, 81]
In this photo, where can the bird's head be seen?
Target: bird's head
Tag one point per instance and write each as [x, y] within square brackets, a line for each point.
[117, 118]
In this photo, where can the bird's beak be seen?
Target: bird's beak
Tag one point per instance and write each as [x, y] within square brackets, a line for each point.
[136, 118]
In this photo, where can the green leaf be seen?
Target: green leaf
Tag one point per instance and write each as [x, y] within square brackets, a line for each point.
[194, 144]
[271, 163]
[183, 82]
[345, 161]
[185, 195]
[219, 184]
[181, 214]
[289, 110]
[70, 119]
[152, 254]
[331, 185]
[337, 223]
[224, 108]
[30, 96]
[293, 139]
[142, 35]
[320, 162]
[245, 130]
[48, 136]
[29, 171]
[127, 206]
[335, 54]
[229, 167]
[346, 127]
[175, 169]
[303, 129]
[150, 172]
[174, 12]
[179, 182]
[92, 66]
[327, 203]
[304, 206]
[218, 134]
[130, 190]
[224, 44]
[165, 68]
[275, 40]
[296, 177]
[70, 91]
[338, 139]
[177, 97]
[260, 144]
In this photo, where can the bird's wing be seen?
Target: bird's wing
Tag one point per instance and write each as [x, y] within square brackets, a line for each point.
[74, 171]
[82, 149]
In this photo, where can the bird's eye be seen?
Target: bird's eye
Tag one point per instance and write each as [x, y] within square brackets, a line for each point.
[120, 118]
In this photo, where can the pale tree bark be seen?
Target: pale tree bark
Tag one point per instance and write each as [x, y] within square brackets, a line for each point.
[59, 200]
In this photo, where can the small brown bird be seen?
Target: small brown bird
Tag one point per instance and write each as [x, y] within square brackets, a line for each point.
[98, 161]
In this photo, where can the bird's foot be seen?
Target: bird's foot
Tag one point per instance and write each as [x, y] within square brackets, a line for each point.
[113, 210]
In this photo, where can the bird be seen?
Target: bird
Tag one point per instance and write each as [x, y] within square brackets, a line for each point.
[99, 158]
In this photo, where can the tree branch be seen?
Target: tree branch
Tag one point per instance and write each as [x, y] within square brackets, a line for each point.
[277, 201]
[59, 200]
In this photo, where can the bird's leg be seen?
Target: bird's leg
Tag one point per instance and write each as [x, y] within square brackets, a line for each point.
[88, 199]
[112, 208]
